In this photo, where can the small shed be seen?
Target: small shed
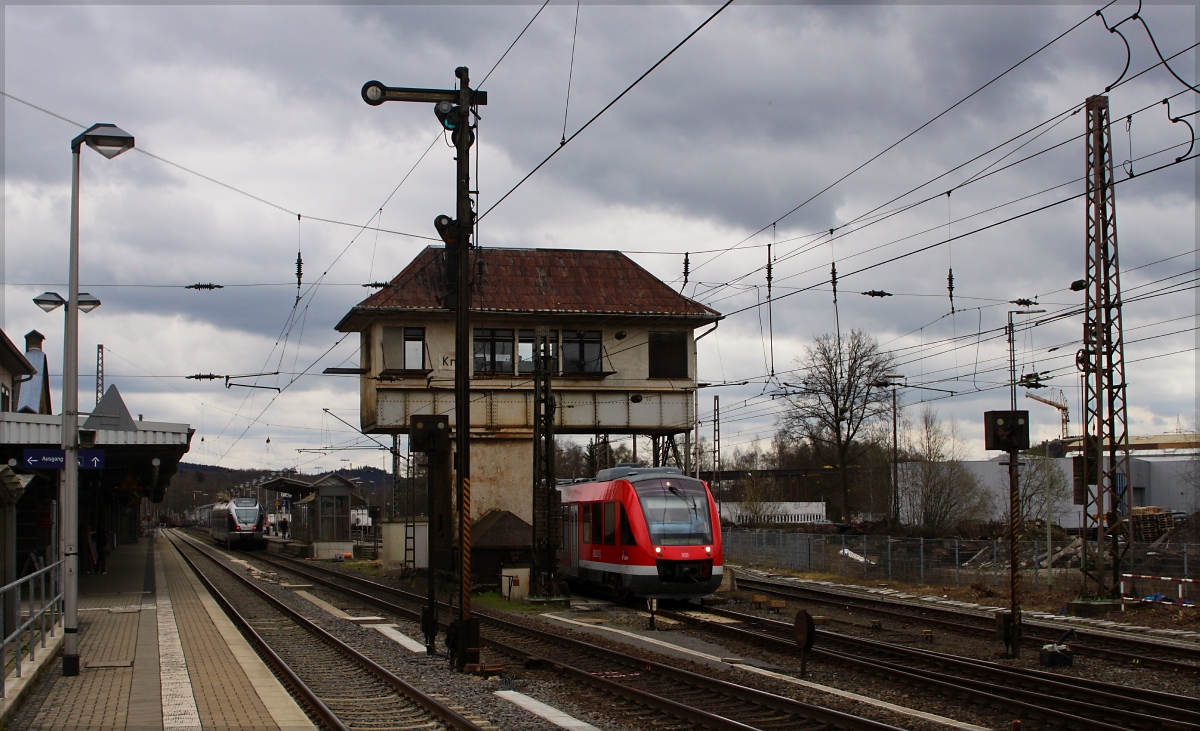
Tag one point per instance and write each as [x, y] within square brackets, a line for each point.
[320, 517]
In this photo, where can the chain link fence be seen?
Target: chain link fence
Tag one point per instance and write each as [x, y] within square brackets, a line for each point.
[952, 561]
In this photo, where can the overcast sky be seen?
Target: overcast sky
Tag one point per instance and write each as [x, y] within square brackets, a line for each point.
[254, 116]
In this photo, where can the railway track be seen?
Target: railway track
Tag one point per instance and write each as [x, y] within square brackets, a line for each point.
[342, 688]
[634, 688]
[1043, 699]
[1131, 650]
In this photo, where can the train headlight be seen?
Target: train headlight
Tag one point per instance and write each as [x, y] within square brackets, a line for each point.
[708, 550]
[658, 550]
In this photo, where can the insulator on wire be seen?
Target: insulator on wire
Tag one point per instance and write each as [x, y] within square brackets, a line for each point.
[950, 288]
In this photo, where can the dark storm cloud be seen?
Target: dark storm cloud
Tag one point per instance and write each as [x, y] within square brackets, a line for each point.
[760, 111]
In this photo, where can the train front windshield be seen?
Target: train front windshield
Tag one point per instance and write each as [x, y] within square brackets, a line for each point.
[245, 515]
[676, 511]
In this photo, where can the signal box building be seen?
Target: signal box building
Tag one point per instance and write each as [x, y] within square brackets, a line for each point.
[623, 343]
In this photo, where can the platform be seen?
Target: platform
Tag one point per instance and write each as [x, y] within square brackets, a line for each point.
[156, 653]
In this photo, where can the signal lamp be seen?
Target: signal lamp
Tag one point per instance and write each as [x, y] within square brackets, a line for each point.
[447, 114]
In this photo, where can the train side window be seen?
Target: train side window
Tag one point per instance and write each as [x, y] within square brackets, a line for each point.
[610, 523]
[597, 524]
[626, 529]
[587, 522]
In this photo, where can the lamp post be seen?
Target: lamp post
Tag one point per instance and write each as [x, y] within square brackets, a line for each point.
[110, 141]
[1014, 495]
[892, 381]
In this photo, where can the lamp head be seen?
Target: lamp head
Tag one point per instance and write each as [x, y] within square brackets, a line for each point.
[107, 139]
[49, 301]
[88, 302]
[372, 93]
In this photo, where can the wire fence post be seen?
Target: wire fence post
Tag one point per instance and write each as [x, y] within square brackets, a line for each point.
[1185, 567]
[843, 554]
[956, 562]
[1036, 570]
[921, 557]
[889, 550]
[865, 556]
[995, 567]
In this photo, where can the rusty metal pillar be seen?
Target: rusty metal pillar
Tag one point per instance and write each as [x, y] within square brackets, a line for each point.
[1102, 361]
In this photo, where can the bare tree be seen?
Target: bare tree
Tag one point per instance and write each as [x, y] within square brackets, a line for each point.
[837, 399]
[762, 499]
[937, 491]
[1042, 488]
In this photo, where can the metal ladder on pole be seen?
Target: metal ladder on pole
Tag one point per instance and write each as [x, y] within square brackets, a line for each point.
[409, 511]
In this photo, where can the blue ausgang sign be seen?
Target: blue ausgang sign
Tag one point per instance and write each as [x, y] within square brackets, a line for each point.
[43, 459]
[55, 459]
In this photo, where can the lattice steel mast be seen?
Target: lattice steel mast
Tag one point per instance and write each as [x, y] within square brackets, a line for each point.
[1102, 361]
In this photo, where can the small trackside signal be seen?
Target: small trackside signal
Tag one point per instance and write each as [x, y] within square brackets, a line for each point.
[1006, 431]
[448, 114]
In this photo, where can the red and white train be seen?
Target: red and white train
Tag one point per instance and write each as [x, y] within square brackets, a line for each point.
[642, 531]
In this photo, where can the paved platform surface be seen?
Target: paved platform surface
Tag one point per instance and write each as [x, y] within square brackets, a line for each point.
[157, 654]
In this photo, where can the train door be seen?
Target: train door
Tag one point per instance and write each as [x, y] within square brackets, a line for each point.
[572, 542]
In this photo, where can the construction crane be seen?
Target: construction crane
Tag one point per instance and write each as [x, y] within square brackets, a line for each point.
[1060, 404]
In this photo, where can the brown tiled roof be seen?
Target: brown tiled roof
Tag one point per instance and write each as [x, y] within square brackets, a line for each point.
[539, 280]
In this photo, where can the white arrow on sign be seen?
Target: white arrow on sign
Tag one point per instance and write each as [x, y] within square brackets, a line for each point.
[29, 461]
[95, 461]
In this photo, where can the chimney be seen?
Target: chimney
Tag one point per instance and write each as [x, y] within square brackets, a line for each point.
[33, 340]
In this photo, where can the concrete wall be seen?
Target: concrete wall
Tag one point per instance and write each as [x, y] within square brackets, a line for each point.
[502, 477]
[391, 547]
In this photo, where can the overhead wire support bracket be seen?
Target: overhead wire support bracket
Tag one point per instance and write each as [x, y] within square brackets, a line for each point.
[228, 379]
[205, 285]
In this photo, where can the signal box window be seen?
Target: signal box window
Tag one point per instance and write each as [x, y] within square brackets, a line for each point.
[581, 351]
[668, 355]
[414, 348]
[610, 524]
[626, 529]
[526, 342]
[404, 349]
[493, 351]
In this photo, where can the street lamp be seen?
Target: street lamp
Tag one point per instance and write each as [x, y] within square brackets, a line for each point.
[110, 141]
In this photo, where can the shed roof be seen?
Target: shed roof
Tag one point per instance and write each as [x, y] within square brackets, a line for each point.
[535, 281]
[13, 360]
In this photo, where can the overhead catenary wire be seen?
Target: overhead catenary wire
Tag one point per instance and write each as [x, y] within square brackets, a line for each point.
[606, 107]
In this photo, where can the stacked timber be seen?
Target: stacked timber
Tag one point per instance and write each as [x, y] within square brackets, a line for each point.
[1149, 523]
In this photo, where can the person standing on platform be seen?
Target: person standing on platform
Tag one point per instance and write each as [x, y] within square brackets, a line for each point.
[101, 550]
[284, 527]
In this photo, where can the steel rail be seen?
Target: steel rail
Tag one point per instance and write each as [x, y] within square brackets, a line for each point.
[447, 715]
[834, 719]
[878, 605]
[1150, 698]
[327, 717]
[1034, 703]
